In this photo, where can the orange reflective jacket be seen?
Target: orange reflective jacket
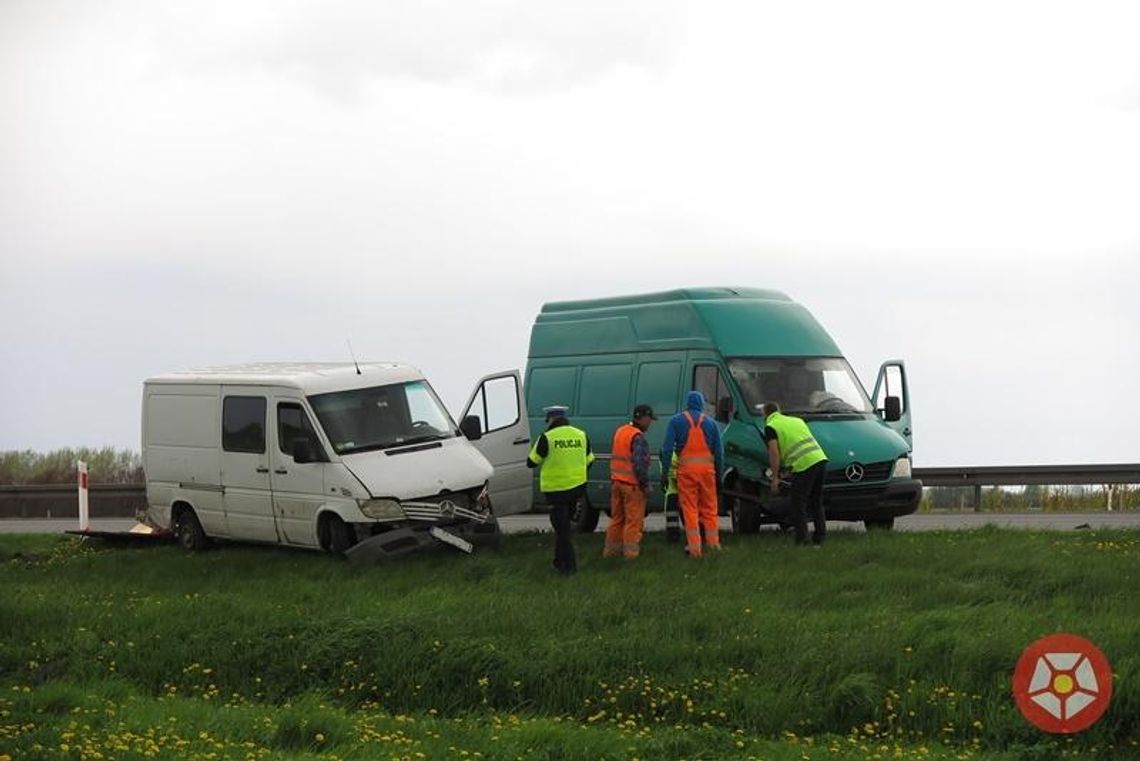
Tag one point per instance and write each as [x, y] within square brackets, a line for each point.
[696, 457]
[621, 457]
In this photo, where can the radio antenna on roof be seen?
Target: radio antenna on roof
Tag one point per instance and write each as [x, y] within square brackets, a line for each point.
[351, 354]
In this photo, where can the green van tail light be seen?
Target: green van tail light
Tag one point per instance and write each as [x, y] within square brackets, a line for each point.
[902, 468]
[382, 509]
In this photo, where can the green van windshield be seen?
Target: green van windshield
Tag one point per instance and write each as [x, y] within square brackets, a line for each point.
[800, 385]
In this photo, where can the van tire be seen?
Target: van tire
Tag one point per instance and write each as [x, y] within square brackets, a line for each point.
[189, 531]
[879, 524]
[584, 516]
[745, 515]
[334, 534]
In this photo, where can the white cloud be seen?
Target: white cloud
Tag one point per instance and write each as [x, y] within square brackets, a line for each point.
[212, 182]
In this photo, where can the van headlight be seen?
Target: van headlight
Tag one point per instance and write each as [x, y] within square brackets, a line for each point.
[902, 468]
[382, 509]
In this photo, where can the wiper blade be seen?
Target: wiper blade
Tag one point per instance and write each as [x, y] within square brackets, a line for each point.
[418, 440]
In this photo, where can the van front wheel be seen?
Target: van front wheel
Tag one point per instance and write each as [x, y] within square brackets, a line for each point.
[745, 516]
[583, 516]
[334, 534]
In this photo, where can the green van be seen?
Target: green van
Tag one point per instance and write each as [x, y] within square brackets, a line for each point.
[740, 347]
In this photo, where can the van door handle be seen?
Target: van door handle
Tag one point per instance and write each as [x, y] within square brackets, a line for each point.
[281, 471]
[262, 469]
[521, 440]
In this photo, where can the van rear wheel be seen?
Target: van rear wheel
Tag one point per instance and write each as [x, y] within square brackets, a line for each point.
[583, 516]
[189, 531]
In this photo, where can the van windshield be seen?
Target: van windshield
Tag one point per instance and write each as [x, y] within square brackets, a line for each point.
[800, 385]
[382, 416]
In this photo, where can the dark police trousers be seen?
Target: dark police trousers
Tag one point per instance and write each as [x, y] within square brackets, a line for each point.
[561, 502]
[807, 498]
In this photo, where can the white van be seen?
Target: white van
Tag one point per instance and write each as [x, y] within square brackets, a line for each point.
[317, 455]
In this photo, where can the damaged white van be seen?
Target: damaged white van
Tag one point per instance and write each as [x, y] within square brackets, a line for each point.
[319, 455]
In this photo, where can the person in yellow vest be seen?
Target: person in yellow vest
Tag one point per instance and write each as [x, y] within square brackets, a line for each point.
[563, 454]
[791, 446]
[673, 524]
[629, 484]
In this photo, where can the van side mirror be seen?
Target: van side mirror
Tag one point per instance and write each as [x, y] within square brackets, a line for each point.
[892, 407]
[472, 427]
[302, 451]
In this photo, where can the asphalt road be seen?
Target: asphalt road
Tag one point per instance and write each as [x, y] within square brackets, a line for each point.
[656, 522]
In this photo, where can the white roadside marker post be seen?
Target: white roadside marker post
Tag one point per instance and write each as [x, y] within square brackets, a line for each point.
[84, 523]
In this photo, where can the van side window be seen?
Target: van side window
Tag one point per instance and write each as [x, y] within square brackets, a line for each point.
[292, 426]
[604, 390]
[657, 384]
[718, 399]
[243, 424]
[496, 404]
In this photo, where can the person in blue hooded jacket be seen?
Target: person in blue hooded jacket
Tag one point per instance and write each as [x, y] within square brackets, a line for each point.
[695, 439]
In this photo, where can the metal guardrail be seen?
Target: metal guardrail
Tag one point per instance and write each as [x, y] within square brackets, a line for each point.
[1029, 475]
[62, 500]
[23, 501]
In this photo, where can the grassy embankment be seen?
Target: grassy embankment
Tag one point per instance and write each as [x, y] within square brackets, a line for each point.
[881, 645]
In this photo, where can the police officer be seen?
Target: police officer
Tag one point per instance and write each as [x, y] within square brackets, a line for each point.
[791, 445]
[563, 454]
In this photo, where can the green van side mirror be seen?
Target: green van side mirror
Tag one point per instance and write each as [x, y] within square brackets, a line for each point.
[892, 409]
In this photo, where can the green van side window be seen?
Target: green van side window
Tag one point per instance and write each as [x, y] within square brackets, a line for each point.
[550, 385]
[658, 386]
[604, 390]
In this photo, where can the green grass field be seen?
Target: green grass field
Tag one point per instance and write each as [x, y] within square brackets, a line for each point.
[881, 645]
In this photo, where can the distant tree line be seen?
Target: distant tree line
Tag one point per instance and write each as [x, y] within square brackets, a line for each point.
[104, 466]
[1053, 499]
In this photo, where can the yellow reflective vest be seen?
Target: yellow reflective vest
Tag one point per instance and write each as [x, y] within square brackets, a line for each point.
[798, 448]
[567, 457]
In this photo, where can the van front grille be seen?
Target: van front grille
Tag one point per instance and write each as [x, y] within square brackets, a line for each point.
[875, 471]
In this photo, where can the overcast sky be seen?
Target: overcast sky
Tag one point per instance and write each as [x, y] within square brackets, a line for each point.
[201, 183]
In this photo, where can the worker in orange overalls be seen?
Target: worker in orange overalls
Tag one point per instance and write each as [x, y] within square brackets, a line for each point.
[695, 438]
[629, 484]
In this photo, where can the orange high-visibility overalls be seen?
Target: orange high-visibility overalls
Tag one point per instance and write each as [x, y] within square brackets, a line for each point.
[627, 500]
[696, 484]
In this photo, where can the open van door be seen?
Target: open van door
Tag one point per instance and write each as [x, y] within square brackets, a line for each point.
[498, 403]
[891, 398]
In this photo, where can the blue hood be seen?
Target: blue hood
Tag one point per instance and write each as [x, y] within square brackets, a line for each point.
[695, 402]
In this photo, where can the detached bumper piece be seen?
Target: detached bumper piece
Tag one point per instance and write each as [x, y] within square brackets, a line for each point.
[461, 537]
[140, 533]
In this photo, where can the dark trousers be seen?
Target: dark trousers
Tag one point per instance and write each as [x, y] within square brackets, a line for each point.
[560, 504]
[807, 499]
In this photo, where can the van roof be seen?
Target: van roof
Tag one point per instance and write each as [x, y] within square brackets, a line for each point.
[740, 322]
[310, 377]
